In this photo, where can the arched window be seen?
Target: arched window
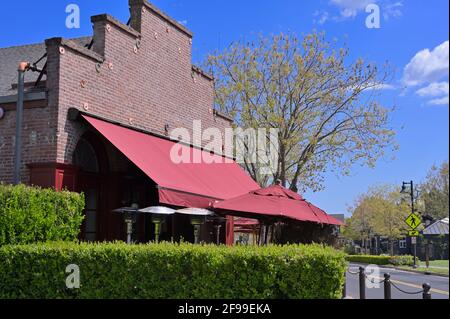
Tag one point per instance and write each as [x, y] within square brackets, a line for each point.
[85, 157]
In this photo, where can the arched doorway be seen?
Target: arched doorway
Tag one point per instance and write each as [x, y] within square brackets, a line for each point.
[91, 159]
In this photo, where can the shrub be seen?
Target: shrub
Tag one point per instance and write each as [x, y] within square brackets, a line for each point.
[31, 214]
[402, 260]
[175, 271]
[381, 260]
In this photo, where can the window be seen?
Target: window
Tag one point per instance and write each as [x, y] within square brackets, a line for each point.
[85, 157]
[402, 244]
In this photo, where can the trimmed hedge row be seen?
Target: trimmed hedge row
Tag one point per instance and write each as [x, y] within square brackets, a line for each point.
[31, 214]
[174, 271]
[381, 260]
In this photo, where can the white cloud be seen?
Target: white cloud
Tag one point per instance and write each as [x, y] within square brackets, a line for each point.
[441, 101]
[428, 66]
[392, 10]
[321, 17]
[434, 90]
[351, 8]
[348, 9]
[383, 86]
[375, 86]
[439, 91]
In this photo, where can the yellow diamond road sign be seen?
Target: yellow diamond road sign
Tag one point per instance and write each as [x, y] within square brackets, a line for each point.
[413, 221]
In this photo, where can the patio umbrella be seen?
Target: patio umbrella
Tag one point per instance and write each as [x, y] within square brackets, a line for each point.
[159, 214]
[324, 217]
[275, 202]
[198, 216]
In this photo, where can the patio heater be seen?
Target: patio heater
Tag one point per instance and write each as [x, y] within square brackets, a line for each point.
[130, 216]
[218, 221]
[159, 214]
[198, 218]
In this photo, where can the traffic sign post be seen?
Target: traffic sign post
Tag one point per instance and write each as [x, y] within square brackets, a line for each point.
[414, 221]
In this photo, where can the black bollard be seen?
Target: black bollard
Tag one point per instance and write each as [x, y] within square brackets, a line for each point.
[426, 291]
[362, 283]
[387, 286]
[344, 289]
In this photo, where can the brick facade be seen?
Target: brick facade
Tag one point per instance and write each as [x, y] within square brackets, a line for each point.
[139, 75]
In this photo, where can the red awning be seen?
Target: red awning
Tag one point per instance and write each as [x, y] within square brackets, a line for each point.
[275, 201]
[184, 184]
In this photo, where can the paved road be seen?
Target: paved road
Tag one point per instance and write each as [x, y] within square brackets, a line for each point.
[407, 281]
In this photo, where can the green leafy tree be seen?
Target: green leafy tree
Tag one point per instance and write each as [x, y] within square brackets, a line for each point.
[381, 211]
[325, 108]
[360, 226]
[390, 213]
[434, 191]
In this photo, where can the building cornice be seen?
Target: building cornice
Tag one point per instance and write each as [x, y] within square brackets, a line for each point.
[75, 47]
[110, 19]
[162, 15]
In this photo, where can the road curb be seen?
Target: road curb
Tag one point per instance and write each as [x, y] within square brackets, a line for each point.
[418, 272]
[408, 270]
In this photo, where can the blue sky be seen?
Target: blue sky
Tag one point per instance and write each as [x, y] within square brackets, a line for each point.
[413, 37]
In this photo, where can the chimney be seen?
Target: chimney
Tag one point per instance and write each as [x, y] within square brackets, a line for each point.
[99, 24]
[136, 10]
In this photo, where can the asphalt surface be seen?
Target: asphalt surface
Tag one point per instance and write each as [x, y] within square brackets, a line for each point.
[406, 281]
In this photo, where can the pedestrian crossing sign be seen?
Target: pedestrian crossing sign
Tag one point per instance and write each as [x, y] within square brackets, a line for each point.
[414, 233]
[413, 221]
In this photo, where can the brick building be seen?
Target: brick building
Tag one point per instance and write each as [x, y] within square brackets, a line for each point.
[135, 77]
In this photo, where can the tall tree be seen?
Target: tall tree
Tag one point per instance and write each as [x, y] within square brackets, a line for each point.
[434, 191]
[360, 226]
[383, 211]
[324, 107]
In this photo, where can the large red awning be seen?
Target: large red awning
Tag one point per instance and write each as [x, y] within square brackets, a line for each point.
[278, 202]
[180, 184]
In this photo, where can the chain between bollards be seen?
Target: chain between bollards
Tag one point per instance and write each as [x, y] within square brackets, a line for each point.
[426, 292]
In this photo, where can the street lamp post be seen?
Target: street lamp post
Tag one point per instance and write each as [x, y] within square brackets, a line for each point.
[23, 67]
[411, 193]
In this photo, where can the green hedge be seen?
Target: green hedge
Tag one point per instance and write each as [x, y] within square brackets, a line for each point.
[175, 271]
[382, 260]
[31, 214]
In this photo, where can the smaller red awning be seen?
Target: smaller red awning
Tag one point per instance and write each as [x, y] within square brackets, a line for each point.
[194, 184]
[275, 201]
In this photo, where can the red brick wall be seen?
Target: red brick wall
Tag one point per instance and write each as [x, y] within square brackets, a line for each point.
[39, 135]
[147, 88]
